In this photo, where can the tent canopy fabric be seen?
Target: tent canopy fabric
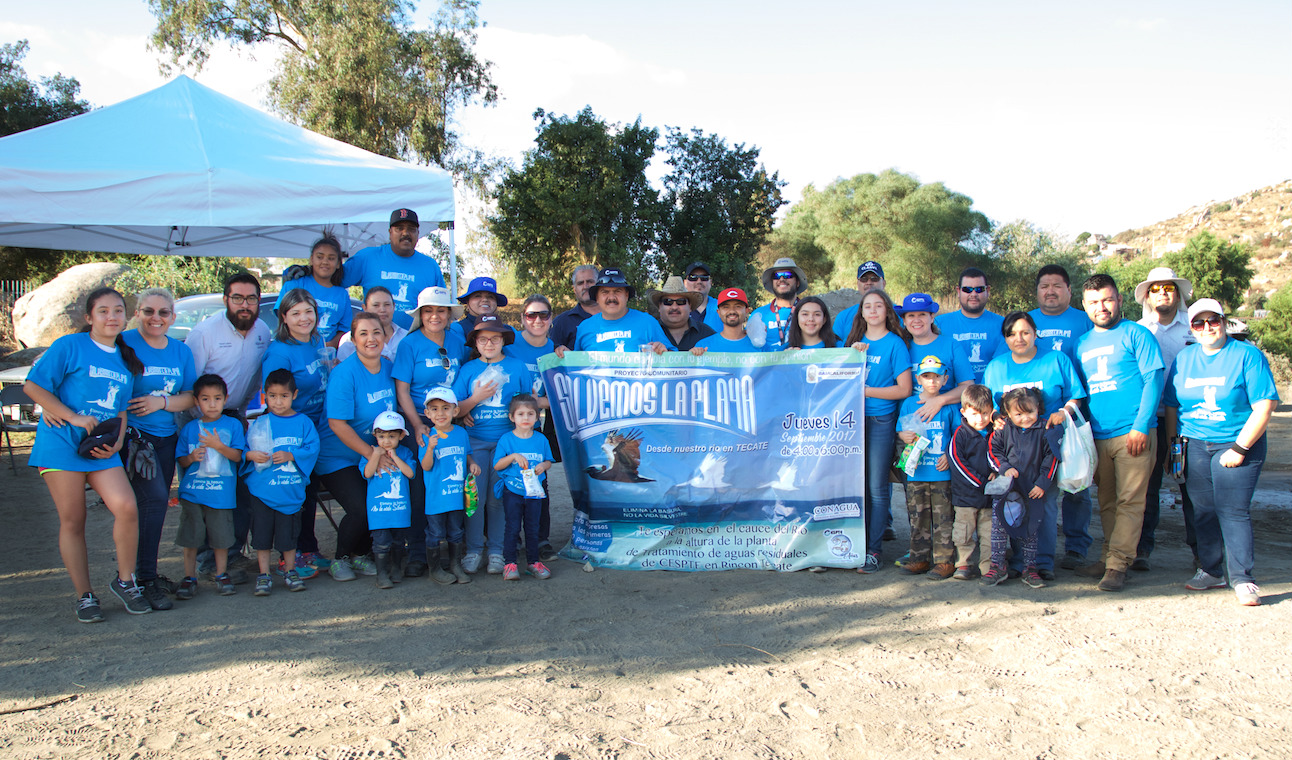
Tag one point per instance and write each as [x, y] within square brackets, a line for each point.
[185, 170]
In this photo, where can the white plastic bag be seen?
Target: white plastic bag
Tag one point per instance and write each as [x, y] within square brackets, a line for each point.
[261, 438]
[1077, 468]
[533, 486]
[998, 486]
[214, 464]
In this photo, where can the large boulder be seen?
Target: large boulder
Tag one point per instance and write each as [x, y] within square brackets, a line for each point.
[838, 300]
[57, 308]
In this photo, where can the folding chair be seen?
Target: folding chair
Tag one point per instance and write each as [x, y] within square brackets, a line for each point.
[12, 399]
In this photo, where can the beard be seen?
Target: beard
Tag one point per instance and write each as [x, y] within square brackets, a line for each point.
[242, 320]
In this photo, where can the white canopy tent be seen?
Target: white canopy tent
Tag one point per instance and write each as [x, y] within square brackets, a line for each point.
[185, 170]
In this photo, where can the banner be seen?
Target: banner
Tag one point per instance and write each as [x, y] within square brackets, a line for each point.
[678, 462]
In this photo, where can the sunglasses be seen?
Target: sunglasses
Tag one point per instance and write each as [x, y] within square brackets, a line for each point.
[673, 301]
[533, 315]
[444, 358]
[1162, 287]
[1213, 321]
[973, 288]
[149, 311]
[698, 277]
[869, 278]
[783, 276]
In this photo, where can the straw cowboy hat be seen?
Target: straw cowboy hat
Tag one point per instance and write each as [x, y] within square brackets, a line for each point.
[673, 287]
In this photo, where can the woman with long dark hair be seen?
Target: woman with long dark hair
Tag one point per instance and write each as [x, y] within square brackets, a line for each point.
[810, 325]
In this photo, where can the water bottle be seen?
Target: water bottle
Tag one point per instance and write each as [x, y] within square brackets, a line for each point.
[1177, 458]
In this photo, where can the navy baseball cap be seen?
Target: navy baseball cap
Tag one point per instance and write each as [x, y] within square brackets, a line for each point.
[403, 215]
[870, 266]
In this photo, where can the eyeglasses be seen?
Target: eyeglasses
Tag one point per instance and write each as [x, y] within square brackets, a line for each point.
[444, 358]
[238, 300]
[973, 288]
[495, 338]
[784, 276]
[698, 277]
[1162, 287]
[149, 311]
[673, 301]
[533, 315]
[1213, 321]
[868, 277]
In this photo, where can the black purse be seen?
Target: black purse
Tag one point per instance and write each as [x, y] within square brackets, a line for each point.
[103, 434]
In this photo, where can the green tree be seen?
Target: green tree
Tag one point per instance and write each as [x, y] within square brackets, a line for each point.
[1274, 332]
[25, 104]
[1012, 257]
[1217, 269]
[719, 205]
[355, 70]
[580, 197]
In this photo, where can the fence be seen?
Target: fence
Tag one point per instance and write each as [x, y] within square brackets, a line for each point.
[16, 289]
[11, 291]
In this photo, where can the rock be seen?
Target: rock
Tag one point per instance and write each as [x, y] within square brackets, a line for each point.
[57, 308]
[838, 300]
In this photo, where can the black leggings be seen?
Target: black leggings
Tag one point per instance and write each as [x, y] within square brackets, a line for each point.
[350, 490]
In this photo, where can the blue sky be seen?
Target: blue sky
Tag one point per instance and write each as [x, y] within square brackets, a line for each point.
[1095, 116]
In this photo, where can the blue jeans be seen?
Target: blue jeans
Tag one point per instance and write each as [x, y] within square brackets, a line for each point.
[1077, 509]
[151, 497]
[881, 432]
[520, 511]
[386, 539]
[1222, 507]
[417, 494]
[489, 514]
[446, 526]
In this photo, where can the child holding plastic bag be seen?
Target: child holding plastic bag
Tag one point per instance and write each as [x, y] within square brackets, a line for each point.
[928, 490]
[208, 450]
[523, 459]
[1027, 454]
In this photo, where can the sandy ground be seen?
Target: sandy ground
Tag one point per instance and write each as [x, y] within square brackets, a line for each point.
[616, 664]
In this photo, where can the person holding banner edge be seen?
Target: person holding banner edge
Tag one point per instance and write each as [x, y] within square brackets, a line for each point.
[617, 328]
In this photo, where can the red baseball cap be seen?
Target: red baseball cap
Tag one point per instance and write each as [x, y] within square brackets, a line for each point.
[732, 294]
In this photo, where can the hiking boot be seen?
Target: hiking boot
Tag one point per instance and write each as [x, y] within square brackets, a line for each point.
[963, 573]
[916, 567]
[455, 563]
[155, 596]
[131, 595]
[995, 576]
[293, 581]
[1033, 578]
[871, 565]
[1113, 580]
[88, 609]
[1072, 560]
[224, 585]
[1249, 595]
[1141, 565]
[539, 571]
[510, 572]
[942, 571]
[383, 571]
[187, 588]
[340, 570]
[264, 585]
[1203, 580]
[1092, 570]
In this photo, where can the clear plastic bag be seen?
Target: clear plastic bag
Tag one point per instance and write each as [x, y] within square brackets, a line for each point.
[494, 373]
[533, 485]
[998, 486]
[214, 464]
[910, 458]
[260, 437]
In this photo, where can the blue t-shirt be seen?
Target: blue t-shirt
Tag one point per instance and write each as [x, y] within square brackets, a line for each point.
[405, 276]
[1122, 369]
[535, 449]
[709, 316]
[490, 415]
[722, 345]
[389, 505]
[308, 363]
[1050, 372]
[447, 477]
[282, 486]
[886, 359]
[167, 371]
[89, 379]
[979, 336]
[357, 396]
[626, 334]
[218, 492]
[842, 324]
[938, 432]
[529, 354]
[1215, 393]
[419, 362]
[1060, 333]
[778, 323]
[333, 301]
[950, 353]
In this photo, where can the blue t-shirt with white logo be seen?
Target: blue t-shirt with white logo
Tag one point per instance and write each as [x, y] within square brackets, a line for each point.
[90, 379]
[308, 363]
[1215, 393]
[217, 492]
[282, 486]
[357, 396]
[535, 449]
[626, 334]
[886, 359]
[938, 431]
[446, 479]
[722, 345]
[167, 371]
[1122, 369]
[529, 354]
[404, 276]
[333, 313]
[1051, 373]
[979, 336]
[947, 351]
[1060, 333]
[419, 361]
[778, 323]
[490, 415]
[389, 505]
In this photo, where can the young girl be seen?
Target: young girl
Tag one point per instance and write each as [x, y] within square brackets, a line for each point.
[519, 453]
[1025, 450]
[82, 380]
[324, 283]
[810, 328]
[888, 381]
[389, 469]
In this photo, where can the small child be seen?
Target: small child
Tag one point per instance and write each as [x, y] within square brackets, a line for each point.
[390, 511]
[928, 491]
[277, 492]
[446, 458]
[1024, 450]
[208, 486]
[970, 472]
[522, 456]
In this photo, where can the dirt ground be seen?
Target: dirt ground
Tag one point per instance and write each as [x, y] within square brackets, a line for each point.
[617, 664]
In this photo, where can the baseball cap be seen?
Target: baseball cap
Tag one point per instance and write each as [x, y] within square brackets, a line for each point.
[1203, 305]
[732, 294]
[389, 421]
[871, 266]
[403, 215]
[443, 393]
[930, 364]
[917, 302]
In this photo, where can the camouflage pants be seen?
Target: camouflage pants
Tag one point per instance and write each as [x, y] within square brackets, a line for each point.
[932, 519]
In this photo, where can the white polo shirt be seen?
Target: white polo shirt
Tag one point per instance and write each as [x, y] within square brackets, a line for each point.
[220, 349]
[1172, 337]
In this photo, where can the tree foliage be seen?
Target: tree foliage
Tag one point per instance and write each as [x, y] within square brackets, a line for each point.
[580, 197]
[1274, 332]
[355, 70]
[1014, 253]
[719, 205]
[25, 104]
[1217, 269]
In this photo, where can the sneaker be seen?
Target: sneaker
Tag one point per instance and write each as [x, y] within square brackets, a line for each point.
[88, 610]
[816, 569]
[471, 562]
[1046, 575]
[995, 576]
[510, 572]
[340, 570]
[305, 572]
[1203, 580]
[1032, 578]
[293, 581]
[902, 560]
[539, 571]
[264, 584]
[224, 585]
[131, 595]
[1141, 565]
[889, 534]
[312, 559]
[166, 584]
[546, 553]
[363, 565]
[495, 564]
[963, 573]
[942, 571]
[235, 574]
[155, 596]
[871, 565]
[1072, 560]
[1249, 595]
[187, 588]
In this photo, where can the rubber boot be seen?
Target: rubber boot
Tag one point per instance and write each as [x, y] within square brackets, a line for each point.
[438, 573]
[382, 561]
[397, 556]
[456, 552]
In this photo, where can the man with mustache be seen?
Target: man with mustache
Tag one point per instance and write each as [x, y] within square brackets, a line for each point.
[397, 266]
[617, 328]
[674, 305]
[785, 281]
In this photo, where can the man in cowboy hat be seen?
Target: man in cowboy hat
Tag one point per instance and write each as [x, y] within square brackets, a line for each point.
[617, 328]
[396, 265]
[1165, 297]
[698, 280]
[673, 305]
[480, 299]
[870, 276]
[785, 281]
[733, 307]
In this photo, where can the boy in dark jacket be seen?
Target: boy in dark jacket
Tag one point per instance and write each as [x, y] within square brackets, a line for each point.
[1024, 450]
[970, 471]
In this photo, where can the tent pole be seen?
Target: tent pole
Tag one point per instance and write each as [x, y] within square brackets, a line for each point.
[453, 264]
